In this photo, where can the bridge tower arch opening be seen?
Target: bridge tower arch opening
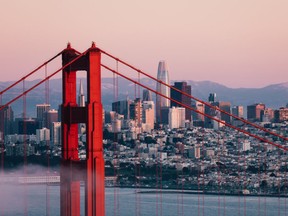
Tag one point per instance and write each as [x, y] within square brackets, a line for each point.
[91, 170]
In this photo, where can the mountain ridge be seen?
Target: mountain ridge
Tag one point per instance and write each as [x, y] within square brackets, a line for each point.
[274, 95]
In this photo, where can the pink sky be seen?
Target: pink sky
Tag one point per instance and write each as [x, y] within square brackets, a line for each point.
[238, 43]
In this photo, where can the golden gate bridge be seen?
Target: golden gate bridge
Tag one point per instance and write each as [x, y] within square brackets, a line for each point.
[91, 171]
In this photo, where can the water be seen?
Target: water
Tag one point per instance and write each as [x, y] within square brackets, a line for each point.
[32, 199]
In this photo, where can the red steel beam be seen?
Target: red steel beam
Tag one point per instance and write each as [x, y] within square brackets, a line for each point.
[91, 114]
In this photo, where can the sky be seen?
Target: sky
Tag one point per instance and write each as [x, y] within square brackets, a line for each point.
[238, 43]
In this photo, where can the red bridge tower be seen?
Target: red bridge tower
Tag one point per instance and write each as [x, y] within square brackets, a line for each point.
[73, 170]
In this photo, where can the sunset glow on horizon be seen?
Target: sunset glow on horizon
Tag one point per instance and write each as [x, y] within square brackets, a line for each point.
[238, 43]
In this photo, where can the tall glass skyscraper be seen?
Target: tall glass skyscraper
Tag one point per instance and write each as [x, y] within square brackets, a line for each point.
[161, 102]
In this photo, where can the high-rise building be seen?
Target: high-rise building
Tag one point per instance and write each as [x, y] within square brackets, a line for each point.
[281, 115]
[183, 99]
[27, 126]
[56, 133]
[136, 111]
[254, 111]
[147, 96]
[50, 117]
[122, 107]
[225, 106]
[41, 110]
[212, 98]
[148, 115]
[199, 107]
[6, 120]
[42, 135]
[81, 96]
[81, 103]
[176, 117]
[267, 115]
[238, 111]
[162, 75]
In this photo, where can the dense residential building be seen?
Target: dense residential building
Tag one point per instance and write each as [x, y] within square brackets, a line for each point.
[182, 98]
[162, 75]
[254, 111]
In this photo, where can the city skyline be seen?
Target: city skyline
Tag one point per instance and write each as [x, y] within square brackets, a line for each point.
[224, 41]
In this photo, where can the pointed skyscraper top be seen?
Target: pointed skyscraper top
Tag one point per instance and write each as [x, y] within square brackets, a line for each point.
[162, 67]
[81, 91]
[81, 97]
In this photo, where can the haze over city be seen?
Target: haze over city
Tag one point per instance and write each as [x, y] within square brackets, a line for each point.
[235, 43]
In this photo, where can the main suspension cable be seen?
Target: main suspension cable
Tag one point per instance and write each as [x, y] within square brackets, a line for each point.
[194, 98]
[42, 81]
[206, 115]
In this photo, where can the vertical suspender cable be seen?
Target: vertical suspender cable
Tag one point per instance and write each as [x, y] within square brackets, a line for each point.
[224, 182]
[25, 149]
[259, 178]
[218, 168]
[47, 145]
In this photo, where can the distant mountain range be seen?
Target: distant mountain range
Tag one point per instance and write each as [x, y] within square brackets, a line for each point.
[273, 96]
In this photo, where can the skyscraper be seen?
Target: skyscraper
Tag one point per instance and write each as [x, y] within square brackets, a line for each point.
[148, 115]
[176, 117]
[161, 102]
[50, 117]
[6, 120]
[182, 86]
[122, 107]
[147, 96]
[212, 98]
[254, 111]
[41, 110]
[238, 111]
[225, 106]
[136, 111]
[81, 103]
[199, 107]
[81, 96]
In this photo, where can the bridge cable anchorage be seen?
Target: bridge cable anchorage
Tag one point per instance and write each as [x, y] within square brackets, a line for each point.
[42, 81]
[194, 110]
[194, 98]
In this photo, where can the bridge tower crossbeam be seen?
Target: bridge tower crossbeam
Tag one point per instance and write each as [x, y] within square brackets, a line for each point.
[91, 171]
